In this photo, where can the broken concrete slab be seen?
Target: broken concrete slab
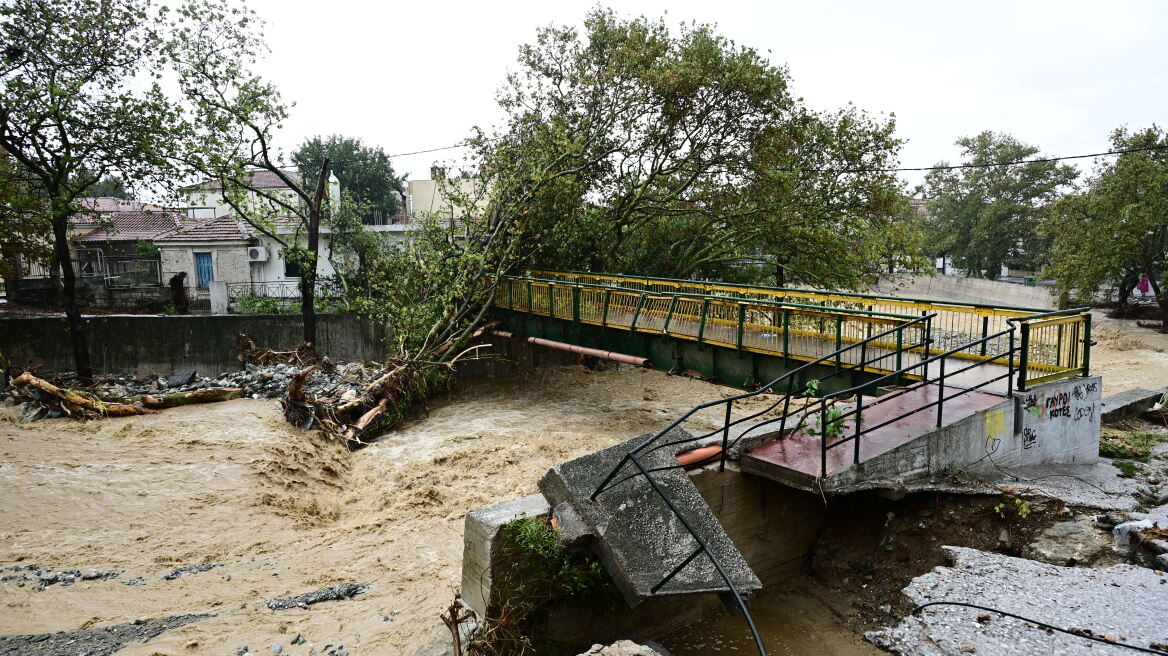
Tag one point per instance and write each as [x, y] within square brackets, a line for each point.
[180, 378]
[1070, 544]
[1130, 403]
[638, 538]
[1122, 602]
[1096, 485]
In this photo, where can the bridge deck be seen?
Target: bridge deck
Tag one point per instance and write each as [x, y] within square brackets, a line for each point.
[796, 460]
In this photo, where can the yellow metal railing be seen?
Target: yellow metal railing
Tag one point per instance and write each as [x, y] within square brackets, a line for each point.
[955, 324]
[1055, 345]
[793, 331]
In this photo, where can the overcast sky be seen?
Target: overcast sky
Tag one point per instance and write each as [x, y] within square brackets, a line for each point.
[1060, 75]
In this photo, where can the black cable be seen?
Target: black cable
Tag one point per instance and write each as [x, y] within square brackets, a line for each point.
[431, 150]
[992, 164]
[1044, 625]
[895, 170]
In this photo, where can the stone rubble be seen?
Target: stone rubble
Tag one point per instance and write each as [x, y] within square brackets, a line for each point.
[343, 381]
[621, 648]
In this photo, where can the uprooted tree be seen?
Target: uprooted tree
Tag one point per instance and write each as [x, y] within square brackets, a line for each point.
[627, 147]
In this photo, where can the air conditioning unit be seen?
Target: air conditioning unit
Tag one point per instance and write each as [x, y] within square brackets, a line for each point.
[257, 254]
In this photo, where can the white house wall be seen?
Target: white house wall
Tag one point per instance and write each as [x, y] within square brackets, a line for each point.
[228, 263]
[213, 198]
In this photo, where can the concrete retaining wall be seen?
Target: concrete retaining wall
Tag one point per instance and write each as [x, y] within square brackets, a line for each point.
[968, 290]
[773, 526]
[144, 345]
[1053, 423]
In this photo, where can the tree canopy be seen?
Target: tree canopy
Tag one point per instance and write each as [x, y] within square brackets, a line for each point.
[364, 172]
[985, 217]
[687, 155]
[1116, 228]
[82, 83]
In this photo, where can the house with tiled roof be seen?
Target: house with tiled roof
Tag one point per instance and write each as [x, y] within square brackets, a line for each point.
[207, 250]
[205, 199]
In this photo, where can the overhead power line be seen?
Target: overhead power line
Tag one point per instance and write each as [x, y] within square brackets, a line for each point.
[992, 164]
[431, 150]
[907, 169]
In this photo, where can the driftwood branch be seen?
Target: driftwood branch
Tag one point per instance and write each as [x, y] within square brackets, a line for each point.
[86, 404]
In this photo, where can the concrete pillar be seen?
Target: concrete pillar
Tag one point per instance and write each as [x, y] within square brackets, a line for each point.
[482, 537]
[218, 297]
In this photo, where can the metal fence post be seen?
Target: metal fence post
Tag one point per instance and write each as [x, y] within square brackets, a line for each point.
[786, 337]
[725, 437]
[669, 314]
[1023, 357]
[702, 324]
[637, 314]
[741, 323]
[1087, 345]
[941, 393]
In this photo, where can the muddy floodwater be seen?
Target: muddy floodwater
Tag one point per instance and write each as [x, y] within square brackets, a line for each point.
[795, 621]
[213, 510]
[274, 511]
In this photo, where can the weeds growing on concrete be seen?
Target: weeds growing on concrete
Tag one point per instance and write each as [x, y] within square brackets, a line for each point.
[541, 578]
[1130, 446]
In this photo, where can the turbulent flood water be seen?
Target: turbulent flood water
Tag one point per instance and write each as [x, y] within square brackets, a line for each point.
[274, 511]
[794, 622]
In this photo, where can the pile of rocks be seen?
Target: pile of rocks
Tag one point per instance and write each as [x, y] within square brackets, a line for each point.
[621, 648]
[341, 382]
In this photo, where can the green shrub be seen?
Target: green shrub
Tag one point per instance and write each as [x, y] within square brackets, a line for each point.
[540, 577]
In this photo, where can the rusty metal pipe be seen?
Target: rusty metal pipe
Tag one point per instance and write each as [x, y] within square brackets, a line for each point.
[582, 350]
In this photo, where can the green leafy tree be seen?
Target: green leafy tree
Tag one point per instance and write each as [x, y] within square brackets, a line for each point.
[24, 220]
[110, 186]
[985, 216]
[81, 82]
[1116, 228]
[364, 172]
[687, 155]
[238, 116]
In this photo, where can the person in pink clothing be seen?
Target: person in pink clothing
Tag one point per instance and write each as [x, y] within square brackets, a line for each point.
[1143, 285]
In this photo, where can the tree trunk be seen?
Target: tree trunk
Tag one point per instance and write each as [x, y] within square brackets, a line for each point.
[1125, 289]
[308, 276]
[69, 294]
[1161, 299]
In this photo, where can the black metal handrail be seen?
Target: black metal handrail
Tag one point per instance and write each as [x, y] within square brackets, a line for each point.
[792, 378]
[939, 380]
[796, 383]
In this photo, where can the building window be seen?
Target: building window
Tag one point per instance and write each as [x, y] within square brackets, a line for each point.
[291, 269]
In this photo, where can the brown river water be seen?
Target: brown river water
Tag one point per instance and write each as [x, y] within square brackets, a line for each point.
[287, 511]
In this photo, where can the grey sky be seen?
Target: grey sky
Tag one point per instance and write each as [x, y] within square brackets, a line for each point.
[1061, 75]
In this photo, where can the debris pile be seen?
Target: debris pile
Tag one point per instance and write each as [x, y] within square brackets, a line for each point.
[45, 576]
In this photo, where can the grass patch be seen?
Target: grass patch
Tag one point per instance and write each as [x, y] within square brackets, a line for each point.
[540, 579]
[1129, 446]
[1127, 468]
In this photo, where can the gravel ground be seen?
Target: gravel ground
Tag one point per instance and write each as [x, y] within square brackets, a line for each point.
[1122, 602]
[91, 642]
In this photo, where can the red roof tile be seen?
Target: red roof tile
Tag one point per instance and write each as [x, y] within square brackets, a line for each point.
[257, 178]
[132, 226]
[221, 229]
[108, 204]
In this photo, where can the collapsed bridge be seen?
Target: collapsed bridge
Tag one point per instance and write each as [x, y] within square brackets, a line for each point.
[872, 392]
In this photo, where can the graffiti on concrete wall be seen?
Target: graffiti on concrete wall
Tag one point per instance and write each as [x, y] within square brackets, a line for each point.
[1063, 404]
[995, 428]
